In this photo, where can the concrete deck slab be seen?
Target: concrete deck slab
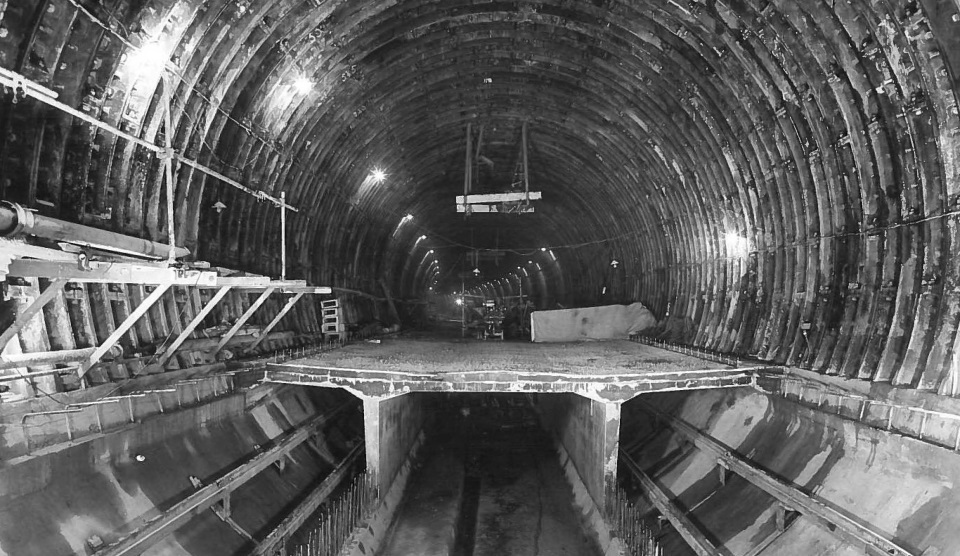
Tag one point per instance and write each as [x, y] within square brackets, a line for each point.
[614, 370]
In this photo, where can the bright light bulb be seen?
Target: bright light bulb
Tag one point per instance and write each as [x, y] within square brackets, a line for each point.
[737, 245]
[378, 175]
[146, 60]
[303, 85]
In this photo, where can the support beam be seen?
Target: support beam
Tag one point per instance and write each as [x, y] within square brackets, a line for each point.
[695, 539]
[122, 329]
[48, 295]
[848, 527]
[98, 271]
[207, 496]
[202, 314]
[243, 320]
[276, 320]
[391, 428]
[305, 509]
[498, 198]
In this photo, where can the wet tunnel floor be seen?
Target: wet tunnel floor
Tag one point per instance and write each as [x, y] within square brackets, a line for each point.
[490, 484]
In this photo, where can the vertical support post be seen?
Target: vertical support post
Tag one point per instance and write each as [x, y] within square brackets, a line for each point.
[611, 453]
[371, 436]
[122, 329]
[202, 314]
[167, 156]
[526, 169]
[283, 235]
[243, 320]
[468, 171]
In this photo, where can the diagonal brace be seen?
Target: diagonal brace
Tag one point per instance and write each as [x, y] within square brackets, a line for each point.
[170, 351]
[243, 319]
[55, 287]
[122, 329]
[690, 533]
[276, 320]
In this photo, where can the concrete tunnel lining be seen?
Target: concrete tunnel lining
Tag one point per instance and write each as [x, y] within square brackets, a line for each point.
[776, 181]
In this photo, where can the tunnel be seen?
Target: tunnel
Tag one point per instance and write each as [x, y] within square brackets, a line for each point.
[280, 277]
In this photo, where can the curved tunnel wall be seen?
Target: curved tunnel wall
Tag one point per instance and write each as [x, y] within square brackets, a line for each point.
[900, 485]
[783, 175]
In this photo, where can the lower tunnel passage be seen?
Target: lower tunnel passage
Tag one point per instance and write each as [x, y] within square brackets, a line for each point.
[488, 483]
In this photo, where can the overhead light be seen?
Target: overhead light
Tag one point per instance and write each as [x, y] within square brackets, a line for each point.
[543, 248]
[737, 245]
[614, 263]
[219, 206]
[476, 271]
[303, 85]
[378, 175]
[459, 301]
[146, 60]
[423, 237]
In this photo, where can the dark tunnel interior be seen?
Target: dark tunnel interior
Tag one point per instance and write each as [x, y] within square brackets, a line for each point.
[776, 181]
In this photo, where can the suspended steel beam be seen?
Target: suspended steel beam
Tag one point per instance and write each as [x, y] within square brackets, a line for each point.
[122, 329]
[849, 528]
[305, 509]
[695, 539]
[33, 90]
[243, 319]
[276, 320]
[207, 496]
[170, 351]
[499, 197]
[53, 289]
[99, 271]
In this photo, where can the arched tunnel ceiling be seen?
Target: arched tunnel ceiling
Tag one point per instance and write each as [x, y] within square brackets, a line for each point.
[782, 175]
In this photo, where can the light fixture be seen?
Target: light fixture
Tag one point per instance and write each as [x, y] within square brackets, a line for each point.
[614, 263]
[303, 84]
[476, 271]
[459, 301]
[378, 175]
[422, 238]
[149, 59]
[543, 248]
[219, 206]
[737, 245]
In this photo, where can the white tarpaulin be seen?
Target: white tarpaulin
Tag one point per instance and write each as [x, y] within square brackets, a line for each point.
[608, 322]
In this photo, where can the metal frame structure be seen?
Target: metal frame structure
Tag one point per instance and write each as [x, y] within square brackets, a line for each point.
[208, 496]
[848, 527]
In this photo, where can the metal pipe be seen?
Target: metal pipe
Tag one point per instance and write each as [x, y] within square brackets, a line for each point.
[15, 219]
[13, 361]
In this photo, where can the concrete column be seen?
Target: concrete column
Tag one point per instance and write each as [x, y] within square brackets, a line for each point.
[391, 427]
[589, 432]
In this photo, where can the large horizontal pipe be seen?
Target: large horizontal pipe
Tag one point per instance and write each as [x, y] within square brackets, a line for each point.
[13, 361]
[15, 219]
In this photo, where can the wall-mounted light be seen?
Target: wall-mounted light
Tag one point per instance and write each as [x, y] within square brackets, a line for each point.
[219, 206]
[149, 59]
[303, 85]
[737, 245]
[614, 263]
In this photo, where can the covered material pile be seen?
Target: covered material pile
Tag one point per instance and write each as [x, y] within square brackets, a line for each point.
[591, 323]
